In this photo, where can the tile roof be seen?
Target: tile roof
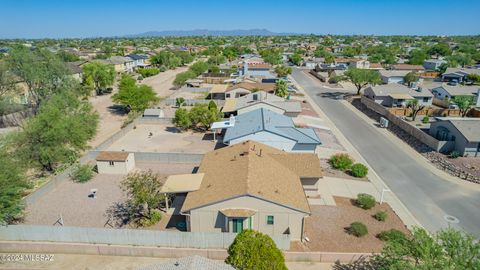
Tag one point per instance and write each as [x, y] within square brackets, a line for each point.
[267, 120]
[262, 96]
[407, 67]
[112, 156]
[393, 73]
[269, 87]
[254, 169]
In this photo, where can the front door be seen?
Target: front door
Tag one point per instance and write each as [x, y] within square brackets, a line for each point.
[237, 225]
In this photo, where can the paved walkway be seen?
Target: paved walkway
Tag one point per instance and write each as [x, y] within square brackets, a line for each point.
[329, 187]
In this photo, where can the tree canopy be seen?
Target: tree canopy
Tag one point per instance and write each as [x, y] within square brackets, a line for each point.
[281, 88]
[362, 77]
[58, 133]
[283, 71]
[101, 75]
[134, 97]
[255, 250]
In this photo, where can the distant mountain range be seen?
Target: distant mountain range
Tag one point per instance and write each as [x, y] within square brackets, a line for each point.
[205, 32]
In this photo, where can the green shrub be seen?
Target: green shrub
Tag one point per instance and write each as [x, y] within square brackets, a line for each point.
[425, 120]
[255, 250]
[392, 235]
[359, 170]
[147, 72]
[154, 218]
[380, 216]
[82, 173]
[162, 69]
[365, 201]
[341, 161]
[454, 154]
[358, 229]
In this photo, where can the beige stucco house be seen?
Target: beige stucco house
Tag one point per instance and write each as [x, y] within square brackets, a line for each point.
[252, 186]
[109, 162]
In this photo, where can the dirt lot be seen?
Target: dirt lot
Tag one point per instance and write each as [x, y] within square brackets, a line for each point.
[111, 119]
[326, 227]
[71, 199]
[165, 138]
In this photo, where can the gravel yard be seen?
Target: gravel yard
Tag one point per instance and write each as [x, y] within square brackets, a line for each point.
[326, 227]
[71, 199]
[329, 171]
[164, 138]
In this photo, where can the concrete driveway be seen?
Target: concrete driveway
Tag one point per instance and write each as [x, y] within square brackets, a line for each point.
[427, 195]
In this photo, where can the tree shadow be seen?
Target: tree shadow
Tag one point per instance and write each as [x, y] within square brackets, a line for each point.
[118, 110]
[362, 263]
[172, 130]
[335, 95]
[120, 215]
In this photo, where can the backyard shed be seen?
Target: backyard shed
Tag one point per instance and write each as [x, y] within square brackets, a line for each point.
[111, 162]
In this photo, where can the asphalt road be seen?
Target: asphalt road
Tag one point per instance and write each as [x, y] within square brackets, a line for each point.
[428, 197]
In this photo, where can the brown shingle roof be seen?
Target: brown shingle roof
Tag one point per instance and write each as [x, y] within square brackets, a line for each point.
[112, 156]
[252, 168]
[269, 87]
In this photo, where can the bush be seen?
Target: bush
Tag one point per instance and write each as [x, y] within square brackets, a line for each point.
[425, 120]
[341, 161]
[380, 216]
[82, 173]
[154, 218]
[358, 229]
[454, 154]
[147, 72]
[365, 201]
[359, 170]
[255, 250]
[392, 235]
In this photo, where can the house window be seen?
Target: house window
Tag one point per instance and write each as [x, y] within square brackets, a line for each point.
[425, 99]
[270, 220]
[111, 163]
[227, 95]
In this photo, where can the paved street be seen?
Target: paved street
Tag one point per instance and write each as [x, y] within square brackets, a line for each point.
[428, 197]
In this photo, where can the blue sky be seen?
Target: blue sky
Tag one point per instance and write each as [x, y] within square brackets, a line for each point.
[87, 18]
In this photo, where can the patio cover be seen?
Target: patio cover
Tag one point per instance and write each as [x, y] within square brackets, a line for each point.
[400, 96]
[232, 212]
[218, 88]
[229, 106]
[182, 183]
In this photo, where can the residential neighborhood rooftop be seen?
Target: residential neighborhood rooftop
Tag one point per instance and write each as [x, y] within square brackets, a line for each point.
[254, 169]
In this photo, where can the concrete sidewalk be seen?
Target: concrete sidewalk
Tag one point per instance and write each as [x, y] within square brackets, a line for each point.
[408, 219]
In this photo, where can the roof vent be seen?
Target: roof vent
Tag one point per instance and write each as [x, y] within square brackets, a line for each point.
[244, 153]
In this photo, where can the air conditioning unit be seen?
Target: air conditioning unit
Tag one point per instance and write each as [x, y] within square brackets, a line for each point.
[383, 122]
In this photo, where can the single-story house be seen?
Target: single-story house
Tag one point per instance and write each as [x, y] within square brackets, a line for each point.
[75, 69]
[139, 60]
[414, 68]
[273, 129]
[245, 88]
[449, 92]
[115, 162]
[433, 64]
[121, 64]
[255, 69]
[255, 186]
[261, 99]
[397, 95]
[458, 74]
[463, 133]
[353, 62]
[393, 76]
